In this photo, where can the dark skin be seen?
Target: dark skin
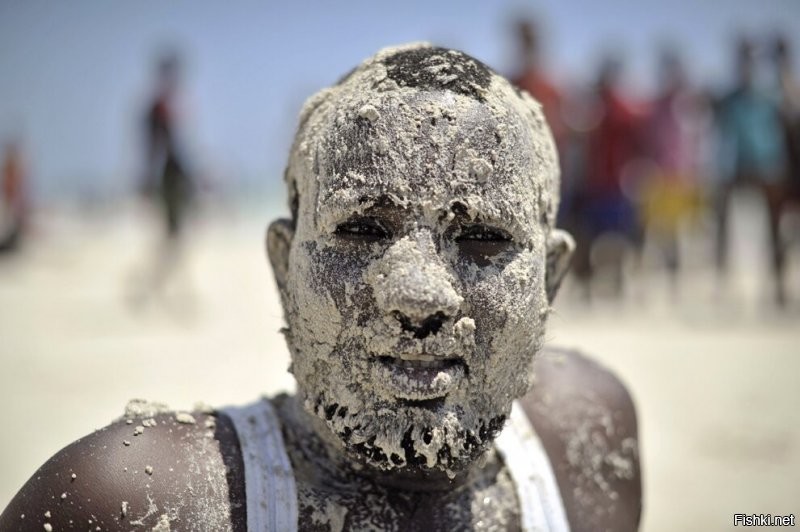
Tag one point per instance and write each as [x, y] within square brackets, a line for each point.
[574, 396]
[198, 472]
[188, 469]
[582, 413]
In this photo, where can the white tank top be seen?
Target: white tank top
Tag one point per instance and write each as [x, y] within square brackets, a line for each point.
[268, 478]
[272, 495]
[540, 505]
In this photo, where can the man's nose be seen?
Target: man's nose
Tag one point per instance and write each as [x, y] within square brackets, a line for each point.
[412, 283]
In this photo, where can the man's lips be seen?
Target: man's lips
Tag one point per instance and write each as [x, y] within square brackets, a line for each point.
[419, 377]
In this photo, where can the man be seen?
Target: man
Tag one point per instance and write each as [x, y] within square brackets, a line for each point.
[532, 78]
[674, 132]
[13, 203]
[751, 153]
[416, 275]
[167, 182]
[788, 90]
[165, 170]
[788, 97]
[604, 198]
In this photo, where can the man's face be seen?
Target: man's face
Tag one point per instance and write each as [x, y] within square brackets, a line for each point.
[415, 292]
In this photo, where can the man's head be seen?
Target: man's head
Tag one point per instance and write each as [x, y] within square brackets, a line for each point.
[417, 270]
[168, 71]
[528, 40]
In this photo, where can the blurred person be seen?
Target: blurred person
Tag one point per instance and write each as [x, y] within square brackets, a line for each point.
[416, 275]
[13, 208]
[166, 173]
[531, 77]
[606, 197]
[675, 133]
[751, 154]
[788, 93]
[167, 180]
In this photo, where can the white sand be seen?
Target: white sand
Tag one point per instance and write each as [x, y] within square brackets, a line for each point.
[715, 380]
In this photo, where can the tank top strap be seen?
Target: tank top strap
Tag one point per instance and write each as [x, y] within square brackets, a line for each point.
[269, 480]
[541, 507]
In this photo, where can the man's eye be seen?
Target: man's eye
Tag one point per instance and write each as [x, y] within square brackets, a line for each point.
[482, 233]
[481, 242]
[362, 230]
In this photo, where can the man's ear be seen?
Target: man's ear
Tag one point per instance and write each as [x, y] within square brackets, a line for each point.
[279, 242]
[560, 246]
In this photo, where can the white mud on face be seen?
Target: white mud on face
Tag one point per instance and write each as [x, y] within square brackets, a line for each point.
[423, 156]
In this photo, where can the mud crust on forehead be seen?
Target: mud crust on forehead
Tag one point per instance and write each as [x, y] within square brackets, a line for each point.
[400, 75]
[439, 69]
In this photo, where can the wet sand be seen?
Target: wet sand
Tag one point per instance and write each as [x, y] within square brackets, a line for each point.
[714, 370]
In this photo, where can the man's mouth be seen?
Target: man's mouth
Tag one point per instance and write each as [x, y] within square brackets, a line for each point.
[419, 377]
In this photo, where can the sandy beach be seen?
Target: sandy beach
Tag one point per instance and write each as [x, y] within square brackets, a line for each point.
[714, 368]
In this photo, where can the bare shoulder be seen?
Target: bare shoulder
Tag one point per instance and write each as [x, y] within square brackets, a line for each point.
[586, 420]
[146, 469]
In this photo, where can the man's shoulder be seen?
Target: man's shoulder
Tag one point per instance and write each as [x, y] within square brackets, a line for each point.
[151, 466]
[586, 420]
[560, 372]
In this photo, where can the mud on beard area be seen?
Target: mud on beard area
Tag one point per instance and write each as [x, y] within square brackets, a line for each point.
[320, 457]
[412, 439]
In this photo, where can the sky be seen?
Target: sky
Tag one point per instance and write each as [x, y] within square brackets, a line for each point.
[75, 76]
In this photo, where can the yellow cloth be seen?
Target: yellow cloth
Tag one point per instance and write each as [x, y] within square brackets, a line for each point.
[668, 200]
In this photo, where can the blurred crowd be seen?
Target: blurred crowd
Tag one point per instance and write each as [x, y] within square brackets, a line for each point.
[637, 172]
[634, 171]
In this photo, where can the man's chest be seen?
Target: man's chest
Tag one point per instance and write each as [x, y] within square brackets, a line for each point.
[486, 506]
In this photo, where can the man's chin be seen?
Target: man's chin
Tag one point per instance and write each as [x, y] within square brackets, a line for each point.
[413, 466]
[415, 440]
